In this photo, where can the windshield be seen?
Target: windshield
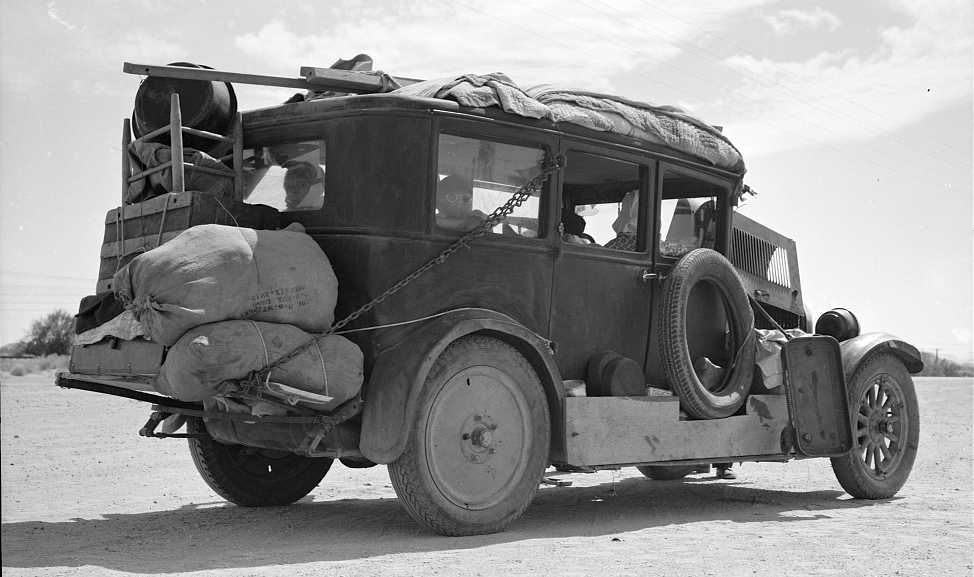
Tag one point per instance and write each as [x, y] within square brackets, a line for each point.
[288, 177]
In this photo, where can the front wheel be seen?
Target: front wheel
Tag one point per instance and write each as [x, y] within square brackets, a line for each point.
[479, 443]
[252, 477]
[886, 421]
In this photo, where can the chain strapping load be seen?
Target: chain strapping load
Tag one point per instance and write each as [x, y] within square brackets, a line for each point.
[253, 384]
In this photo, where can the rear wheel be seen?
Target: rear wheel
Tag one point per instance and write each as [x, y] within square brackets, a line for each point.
[479, 444]
[253, 477]
[666, 472]
[886, 424]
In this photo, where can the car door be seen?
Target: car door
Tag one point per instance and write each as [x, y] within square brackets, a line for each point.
[602, 286]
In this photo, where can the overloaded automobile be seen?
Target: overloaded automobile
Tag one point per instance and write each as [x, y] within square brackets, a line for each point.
[471, 282]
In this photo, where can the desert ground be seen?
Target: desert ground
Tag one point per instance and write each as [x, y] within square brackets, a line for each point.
[84, 495]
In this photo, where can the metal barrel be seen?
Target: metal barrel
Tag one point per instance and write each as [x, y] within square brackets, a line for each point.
[205, 105]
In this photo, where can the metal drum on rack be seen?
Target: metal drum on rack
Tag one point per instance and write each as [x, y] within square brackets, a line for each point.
[205, 105]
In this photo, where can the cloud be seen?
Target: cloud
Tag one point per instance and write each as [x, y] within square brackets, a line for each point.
[787, 21]
[916, 70]
[581, 44]
[54, 15]
[141, 46]
[962, 335]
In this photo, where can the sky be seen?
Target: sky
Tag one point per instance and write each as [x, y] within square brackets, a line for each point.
[854, 119]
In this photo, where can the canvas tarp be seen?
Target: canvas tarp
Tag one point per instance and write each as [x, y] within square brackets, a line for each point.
[667, 126]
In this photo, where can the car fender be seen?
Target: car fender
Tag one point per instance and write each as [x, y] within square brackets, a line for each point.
[392, 391]
[856, 350]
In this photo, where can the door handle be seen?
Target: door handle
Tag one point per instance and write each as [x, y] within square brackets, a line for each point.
[647, 276]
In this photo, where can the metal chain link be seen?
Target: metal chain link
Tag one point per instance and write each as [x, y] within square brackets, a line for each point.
[251, 384]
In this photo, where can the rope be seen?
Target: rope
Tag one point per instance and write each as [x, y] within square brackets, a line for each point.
[162, 224]
[509, 320]
[120, 235]
[324, 369]
[267, 355]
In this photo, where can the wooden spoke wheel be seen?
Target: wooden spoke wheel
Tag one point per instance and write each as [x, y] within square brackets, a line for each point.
[887, 427]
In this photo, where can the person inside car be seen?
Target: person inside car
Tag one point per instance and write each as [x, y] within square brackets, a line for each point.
[573, 227]
[626, 224]
[304, 185]
[454, 204]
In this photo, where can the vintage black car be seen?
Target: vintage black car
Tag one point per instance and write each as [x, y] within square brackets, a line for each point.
[529, 292]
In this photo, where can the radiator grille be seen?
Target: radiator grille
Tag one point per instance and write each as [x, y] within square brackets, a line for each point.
[761, 258]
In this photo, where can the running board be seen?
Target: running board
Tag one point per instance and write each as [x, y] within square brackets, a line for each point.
[636, 430]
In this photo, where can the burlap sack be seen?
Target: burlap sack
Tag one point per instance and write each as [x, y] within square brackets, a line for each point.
[205, 356]
[211, 273]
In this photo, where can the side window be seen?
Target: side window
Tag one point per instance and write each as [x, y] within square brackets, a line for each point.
[288, 176]
[688, 214]
[600, 202]
[476, 176]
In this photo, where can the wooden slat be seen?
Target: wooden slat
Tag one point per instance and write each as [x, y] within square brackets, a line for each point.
[224, 172]
[126, 161]
[213, 75]
[629, 430]
[341, 80]
[237, 133]
[153, 205]
[137, 358]
[205, 134]
[314, 78]
[135, 177]
[159, 131]
[176, 144]
[136, 245]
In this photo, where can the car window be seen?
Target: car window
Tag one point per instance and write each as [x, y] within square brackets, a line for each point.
[600, 202]
[689, 214]
[475, 176]
[288, 176]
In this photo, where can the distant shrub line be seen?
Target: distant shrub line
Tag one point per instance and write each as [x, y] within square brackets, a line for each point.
[938, 366]
[21, 367]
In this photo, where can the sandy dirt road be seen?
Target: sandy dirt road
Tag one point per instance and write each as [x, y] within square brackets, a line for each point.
[84, 495]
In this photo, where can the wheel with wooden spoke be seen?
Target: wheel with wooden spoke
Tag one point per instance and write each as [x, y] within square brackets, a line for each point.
[886, 425]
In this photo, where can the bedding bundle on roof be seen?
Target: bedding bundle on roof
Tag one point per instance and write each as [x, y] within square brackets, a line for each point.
[667, 126]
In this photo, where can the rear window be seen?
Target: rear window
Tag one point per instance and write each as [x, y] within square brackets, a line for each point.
[288, 176]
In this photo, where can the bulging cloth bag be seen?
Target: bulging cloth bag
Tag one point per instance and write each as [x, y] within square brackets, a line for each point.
[211, 273]
[198, 364]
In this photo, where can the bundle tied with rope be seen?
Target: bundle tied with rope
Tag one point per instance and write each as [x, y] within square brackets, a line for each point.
[210, 273]
[204, 361]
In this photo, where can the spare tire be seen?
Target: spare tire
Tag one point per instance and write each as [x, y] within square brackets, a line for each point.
[704, 320]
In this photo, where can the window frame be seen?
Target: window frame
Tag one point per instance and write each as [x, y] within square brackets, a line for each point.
[648, 170]
[323, 182]
[724, 207]
[485, 130]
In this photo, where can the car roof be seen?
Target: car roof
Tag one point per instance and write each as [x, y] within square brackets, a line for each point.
[391, 103]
